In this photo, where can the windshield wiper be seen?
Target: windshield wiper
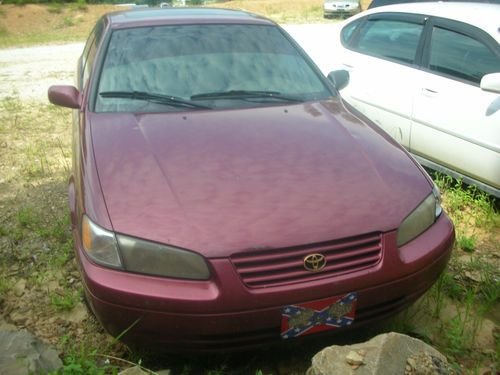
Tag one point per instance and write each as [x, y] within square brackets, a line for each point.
[173, 101]
[245, 94]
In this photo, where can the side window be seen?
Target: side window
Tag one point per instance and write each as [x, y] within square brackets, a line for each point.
[389, 38]
[87, 68]
[348, 31]
[89, 52]
[84, 58]
[461, 56]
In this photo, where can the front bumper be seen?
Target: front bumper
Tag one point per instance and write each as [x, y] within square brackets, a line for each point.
[330, 11]
[222, 313]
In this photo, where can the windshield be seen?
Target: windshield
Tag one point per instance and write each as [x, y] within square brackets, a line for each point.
[203, 67]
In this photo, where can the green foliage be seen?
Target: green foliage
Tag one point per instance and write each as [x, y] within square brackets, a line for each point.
[466, 243]
[80, 360]
[80, 5]
[54, 7]
[220, 371]
[27, 218]
[68, 21]
[66, 301]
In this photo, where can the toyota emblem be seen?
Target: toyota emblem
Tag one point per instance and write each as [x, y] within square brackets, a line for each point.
[314, 262]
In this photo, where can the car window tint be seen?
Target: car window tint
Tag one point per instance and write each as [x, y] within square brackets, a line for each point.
[188, 60]
[388, 38]
[85, 55]
[90, 51]
[460, 56]
[347, 31]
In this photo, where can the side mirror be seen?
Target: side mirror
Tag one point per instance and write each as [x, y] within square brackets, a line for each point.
[65, 96]
[339, 78]
[491, 82]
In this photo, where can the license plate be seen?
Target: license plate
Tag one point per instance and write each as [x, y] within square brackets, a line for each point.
[311, 317]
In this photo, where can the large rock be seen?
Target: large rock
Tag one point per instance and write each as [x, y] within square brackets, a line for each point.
[22, 353]
[389, 353]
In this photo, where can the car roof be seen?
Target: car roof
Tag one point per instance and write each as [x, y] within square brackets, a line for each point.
[165, 16]
[482, 15]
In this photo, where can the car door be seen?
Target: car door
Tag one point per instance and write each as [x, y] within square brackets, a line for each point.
[381, 54]
[456, 124]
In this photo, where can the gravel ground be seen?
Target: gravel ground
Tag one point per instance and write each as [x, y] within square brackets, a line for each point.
[28, 72]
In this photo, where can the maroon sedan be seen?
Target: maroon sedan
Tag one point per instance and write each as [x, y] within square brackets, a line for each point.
[224, 195]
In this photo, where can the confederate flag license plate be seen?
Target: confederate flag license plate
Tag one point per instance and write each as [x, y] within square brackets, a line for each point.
[311, 317]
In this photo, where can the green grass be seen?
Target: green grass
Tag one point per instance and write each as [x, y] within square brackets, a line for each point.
[466, 243]
[65, 302]
[56, 8]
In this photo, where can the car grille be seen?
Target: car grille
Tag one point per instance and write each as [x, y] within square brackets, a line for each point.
[264, 268]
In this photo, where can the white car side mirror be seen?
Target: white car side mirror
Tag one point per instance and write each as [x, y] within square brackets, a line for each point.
[491, 82]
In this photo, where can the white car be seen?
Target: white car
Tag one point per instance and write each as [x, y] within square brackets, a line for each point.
[429, 75]
[333, 8]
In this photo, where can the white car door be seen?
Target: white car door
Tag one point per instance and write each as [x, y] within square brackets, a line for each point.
[380, 57]
[455, 123]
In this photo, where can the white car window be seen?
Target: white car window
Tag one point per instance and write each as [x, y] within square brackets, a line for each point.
[392, 39]
[460, 56]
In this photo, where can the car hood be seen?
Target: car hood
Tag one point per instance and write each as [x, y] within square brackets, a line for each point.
[221, 182]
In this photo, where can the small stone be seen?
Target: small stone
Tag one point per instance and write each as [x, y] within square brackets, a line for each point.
[77, 315]
[354, 358]
[136, 370]
[19, 317]
[411, 362]
[52, 286]
[474, 276]
[19, 287]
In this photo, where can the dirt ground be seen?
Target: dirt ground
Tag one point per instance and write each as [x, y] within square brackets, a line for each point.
[28, 72]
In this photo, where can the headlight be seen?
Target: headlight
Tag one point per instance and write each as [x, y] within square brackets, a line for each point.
[421, 218]
[155, 259]
[131, 254]
[100, 244]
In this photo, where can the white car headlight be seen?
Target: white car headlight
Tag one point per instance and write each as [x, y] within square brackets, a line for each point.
[420, 218]
[131, 254]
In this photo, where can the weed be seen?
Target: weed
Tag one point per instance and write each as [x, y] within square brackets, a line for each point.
[219, 371]
[26, 217]
[38, 164]
[56, 8]
[80, 5]
[66, 301]
[5, 284]
[68, 21]
[80, 360]
[12, 105]
[3, 31]
[466, 243]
